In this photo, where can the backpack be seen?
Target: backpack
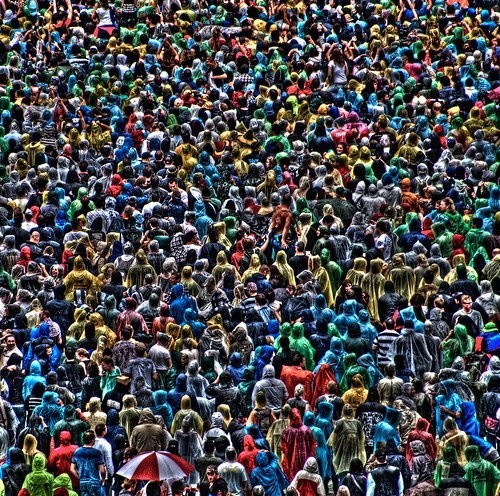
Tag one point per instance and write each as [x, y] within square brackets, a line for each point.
[477, 361]
[134, 236]
[263, 419]
[490, 305]
[116, 224]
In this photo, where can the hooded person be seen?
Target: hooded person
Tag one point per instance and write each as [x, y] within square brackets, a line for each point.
[263, 357]
[249, 454]
[322, 449]
[351, 368]
[39, 481]
[402, 277]
[421, 433]
[422, 468]
[459, 345]
[236, 367]
[73, 422]
[268, 474]
[373, 284]
[413, 347]
[448, 468]
[113, 427]
[302, 345]
[50, 409]
[368, 362]
[357, 393]
[387, 429]
[138, 271]
[274, 389]
[63, 481]
[347, 440]
[35, 375]
[297, 445]
[447, 401]
[346, 317]
[190, 445]
[148, 435]
[246, 387]
[180, 302]
[308, 481]
[321, 276]
[186, 409]
[483, 475]
[14, 471]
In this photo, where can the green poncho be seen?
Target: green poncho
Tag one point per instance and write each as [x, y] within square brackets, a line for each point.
[443, 238]
[285, 330]
[332, 268]
[459, 345]
[483, 475]
[301, 344]
[351, 368]
[39, 482]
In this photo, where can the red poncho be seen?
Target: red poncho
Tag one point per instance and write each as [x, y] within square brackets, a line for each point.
[297, 445]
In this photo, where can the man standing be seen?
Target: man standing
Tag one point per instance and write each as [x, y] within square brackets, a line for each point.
[297, 374]
[87, 464]
[475, 316]
[160, 357]
[216, 486]
[234, 474]
[104, 447]
[9, 348]
[384, 480]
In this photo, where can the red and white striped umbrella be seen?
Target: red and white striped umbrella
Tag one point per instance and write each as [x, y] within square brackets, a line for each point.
[156, 465]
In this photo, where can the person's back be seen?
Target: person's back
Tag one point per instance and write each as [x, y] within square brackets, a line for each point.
[87, 464]
[234, 474]
[384, 480]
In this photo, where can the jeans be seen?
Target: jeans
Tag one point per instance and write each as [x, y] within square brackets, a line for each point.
[78, 400]
[20, 412]
[90, 489]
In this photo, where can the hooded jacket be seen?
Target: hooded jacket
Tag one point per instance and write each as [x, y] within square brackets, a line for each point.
[39, 482]
[148, 435]
[274, 389]
[14, 474]
[34, 376]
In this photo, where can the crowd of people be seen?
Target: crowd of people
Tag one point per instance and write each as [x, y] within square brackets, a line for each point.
[261, 235]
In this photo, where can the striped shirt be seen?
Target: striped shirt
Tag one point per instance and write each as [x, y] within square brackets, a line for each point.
[382, 344]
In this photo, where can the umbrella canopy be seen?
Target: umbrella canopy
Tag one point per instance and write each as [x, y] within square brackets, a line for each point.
[156, 465]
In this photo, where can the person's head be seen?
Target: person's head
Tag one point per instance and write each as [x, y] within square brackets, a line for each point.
[390, 370]
[212, 474]
[89, 438]
[10, 342]
[299, 360]
[466, 302]
[107, 364]
[100, 430]
[380, 455]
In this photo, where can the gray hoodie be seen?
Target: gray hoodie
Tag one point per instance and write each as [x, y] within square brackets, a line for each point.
[274, 389]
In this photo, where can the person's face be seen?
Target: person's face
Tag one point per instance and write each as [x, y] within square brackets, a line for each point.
[212, 477]
[53, 272]
[467, 304]
[348, 290]
[105, 367]
[11, 343]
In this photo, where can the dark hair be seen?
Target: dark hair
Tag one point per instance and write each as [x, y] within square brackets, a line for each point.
[100, 429]
[88, 437]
